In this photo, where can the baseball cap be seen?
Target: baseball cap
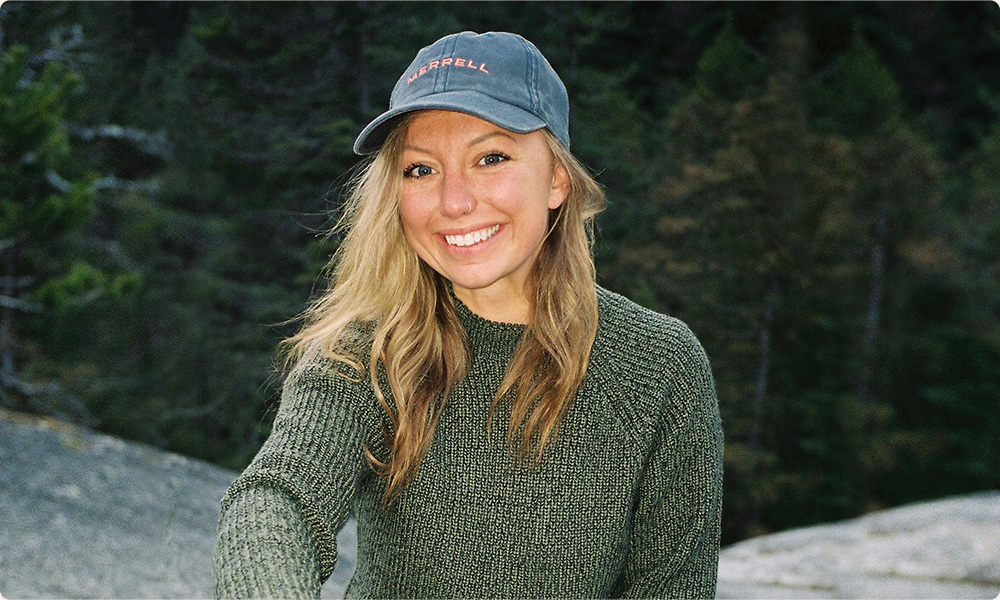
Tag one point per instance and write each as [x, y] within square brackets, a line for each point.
[497, 76]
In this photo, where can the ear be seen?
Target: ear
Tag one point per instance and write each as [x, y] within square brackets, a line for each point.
[560, 186]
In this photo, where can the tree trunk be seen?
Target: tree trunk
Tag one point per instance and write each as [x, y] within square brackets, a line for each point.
[364, 89]
[7, 319]
[366, 13]
[763, 367]
[873, 312]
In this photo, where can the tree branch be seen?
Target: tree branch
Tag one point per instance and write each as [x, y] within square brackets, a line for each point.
[116, 183]
[64, 50]
[11, 382]
[18, 304]
[105, 183]
[56, 181]
[155, 144]
[15, 282]
[49, 398]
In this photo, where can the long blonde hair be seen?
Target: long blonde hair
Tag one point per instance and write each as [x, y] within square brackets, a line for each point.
[417, 344]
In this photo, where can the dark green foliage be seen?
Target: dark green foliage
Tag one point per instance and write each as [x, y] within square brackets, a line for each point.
[729, 68]
[858, 96]
[813, 187]
[41, 218]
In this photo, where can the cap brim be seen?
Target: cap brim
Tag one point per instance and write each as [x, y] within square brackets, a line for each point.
[470, 102]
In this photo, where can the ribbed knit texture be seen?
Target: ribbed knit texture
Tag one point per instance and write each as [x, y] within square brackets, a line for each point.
[626, 501]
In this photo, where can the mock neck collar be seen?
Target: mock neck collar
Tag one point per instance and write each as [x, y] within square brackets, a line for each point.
[481, 329]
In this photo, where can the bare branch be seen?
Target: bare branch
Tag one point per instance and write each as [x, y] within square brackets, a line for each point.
[64, 49]
[11, 382]
[189, 413]
[86, 298]
[49, 398]
[18, 304]
[106, 183]
[115, 183]
[155, 144]
[318, 81]
[56, 181]
[15, 282]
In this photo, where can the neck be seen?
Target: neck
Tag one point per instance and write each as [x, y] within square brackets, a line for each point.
[501, 306]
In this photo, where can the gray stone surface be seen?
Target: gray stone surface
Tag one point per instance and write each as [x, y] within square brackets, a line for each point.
[83, 515]
[943, 549]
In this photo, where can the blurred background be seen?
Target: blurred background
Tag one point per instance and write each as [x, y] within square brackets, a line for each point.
[814, 188]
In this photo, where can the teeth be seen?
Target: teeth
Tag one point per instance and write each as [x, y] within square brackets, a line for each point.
[472, 238]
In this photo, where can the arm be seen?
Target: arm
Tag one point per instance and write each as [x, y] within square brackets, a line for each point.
[674, 544]
[265, 549]
[279, 521]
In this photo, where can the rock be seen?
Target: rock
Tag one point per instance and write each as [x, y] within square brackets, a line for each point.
[87, 515]
[942, 549]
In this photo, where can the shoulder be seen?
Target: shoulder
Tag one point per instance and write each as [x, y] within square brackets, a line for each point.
[347, 358]
[321, 382]
[314, 369]
[635, 333]
[651, 364]
[321, 396]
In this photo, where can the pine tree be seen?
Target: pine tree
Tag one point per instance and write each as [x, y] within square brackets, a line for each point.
[753, 238]
[39, 210]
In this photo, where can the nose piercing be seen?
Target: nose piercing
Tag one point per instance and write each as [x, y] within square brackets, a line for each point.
[469, 212]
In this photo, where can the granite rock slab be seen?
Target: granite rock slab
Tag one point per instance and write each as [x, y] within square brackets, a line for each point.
[85, 515]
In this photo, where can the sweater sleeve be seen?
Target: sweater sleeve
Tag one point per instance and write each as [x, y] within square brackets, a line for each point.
[674, 545]
[280, 518]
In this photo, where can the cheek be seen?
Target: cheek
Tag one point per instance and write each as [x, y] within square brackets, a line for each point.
[413, 217]
[532, 205]
[408, 213]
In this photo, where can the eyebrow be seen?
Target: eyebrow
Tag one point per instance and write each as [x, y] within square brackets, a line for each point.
[478, 140]
[489, 135]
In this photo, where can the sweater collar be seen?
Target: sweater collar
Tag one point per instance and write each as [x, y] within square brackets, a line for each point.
[481, 330]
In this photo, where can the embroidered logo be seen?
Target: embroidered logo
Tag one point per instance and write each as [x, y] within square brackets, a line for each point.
[466, 63]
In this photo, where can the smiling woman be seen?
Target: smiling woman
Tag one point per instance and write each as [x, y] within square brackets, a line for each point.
[475, 207]
[464, 293]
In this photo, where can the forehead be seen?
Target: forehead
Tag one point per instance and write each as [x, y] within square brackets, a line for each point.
[454, 126]
[431, 121]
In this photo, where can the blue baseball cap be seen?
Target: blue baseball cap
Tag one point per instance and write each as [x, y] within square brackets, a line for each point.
[497, 76]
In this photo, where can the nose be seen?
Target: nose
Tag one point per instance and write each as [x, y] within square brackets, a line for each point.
[457, 198]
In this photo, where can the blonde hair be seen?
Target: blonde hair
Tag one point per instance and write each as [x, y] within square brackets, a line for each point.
[417, 344]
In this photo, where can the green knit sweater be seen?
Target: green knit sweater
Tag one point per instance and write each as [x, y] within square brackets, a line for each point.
[625, 503]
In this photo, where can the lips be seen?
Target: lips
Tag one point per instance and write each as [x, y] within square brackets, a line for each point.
[473, 237]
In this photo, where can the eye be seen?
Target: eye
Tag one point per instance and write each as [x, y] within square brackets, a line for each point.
[416, 171]
[493, 158]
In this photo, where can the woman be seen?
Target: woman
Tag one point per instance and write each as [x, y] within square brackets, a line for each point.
[464, 295]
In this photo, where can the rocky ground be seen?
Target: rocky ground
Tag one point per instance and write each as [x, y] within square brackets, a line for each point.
[83, 515]
[944, 549]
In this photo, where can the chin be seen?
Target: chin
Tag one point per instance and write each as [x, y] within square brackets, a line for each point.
[471, 283]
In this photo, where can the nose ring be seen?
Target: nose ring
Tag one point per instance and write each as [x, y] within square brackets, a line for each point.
[469, 212]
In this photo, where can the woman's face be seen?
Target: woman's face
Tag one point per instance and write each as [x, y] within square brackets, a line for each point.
[475, 205]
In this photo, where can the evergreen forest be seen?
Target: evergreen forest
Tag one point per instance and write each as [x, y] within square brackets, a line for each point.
[813, 187]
